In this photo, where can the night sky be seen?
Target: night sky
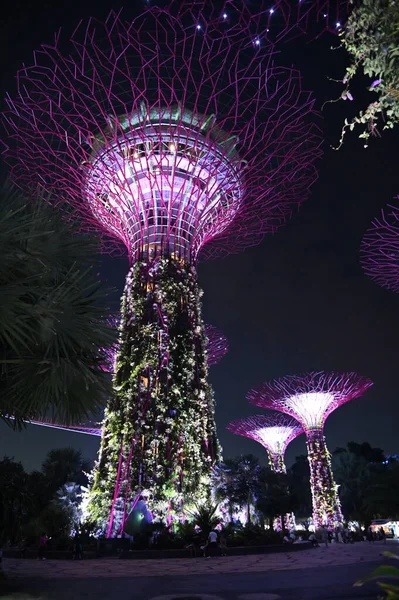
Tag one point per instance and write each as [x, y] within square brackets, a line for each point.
[297, 302]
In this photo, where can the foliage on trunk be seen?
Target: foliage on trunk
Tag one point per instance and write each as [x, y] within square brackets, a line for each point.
[159, 436]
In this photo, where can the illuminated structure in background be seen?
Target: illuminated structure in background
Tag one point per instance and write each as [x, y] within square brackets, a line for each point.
[379, 251]
[174, 134]
[274, 432]
[310, 399]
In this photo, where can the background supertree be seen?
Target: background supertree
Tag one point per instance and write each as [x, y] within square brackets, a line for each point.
[170, 133]
[310, 398]
[274, 432]
[379, 251]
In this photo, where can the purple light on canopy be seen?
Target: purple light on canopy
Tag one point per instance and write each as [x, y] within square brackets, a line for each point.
[273, 432]
[379, 252]
[310, 398]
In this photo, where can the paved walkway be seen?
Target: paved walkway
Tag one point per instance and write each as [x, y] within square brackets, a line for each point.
[333, 555]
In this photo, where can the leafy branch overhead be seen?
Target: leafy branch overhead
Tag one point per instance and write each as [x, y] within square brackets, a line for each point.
[371, 38]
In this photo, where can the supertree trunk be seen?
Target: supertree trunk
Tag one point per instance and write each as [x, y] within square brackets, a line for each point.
[276, 461]
[326, 503]
[159, 433]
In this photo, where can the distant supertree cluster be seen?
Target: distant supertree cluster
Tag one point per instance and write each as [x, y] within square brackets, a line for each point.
[273, 432]
[380, 249]
[310, 398]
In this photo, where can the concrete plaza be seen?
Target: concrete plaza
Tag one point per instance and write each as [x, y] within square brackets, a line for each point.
[316, 573]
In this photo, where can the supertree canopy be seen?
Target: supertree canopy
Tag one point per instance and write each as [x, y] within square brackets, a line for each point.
[175, 133]
[310, 398]
[274, 432]
[380, 249]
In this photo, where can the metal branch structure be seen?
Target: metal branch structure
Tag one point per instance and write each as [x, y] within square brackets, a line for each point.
[95, 429]
[310, 399]
[273, 432]
[175, 134]
[379, 252]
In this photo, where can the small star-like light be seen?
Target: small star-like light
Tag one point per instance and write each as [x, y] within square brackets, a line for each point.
[338, 24]
[224, 15]
[325, 15]
[198, 26]
[257, 42]
[271, 11]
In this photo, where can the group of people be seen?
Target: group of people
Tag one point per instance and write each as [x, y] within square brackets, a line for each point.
[379, 535]
[77, 547]
[341, 535]
[214, 546]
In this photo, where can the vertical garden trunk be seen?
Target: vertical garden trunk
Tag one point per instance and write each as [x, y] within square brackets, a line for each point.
[326, 503]
[159, 437]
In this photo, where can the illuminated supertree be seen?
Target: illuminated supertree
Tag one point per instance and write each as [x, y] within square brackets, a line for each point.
[175, 133]
[310, 399]
[274, 432]
[380, 249]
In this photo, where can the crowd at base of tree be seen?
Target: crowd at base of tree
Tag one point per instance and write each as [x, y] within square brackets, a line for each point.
[247, 499]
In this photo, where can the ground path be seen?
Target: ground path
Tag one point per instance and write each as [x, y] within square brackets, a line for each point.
[319, 573]
[334, 554]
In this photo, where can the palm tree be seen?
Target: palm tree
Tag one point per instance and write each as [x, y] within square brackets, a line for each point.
[205, 517]
[53, 315]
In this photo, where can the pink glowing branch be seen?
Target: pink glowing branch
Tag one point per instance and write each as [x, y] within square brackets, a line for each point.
[95, 430]
[274, 432]
[166, 136]
[380, 249]
[311, 397]
[217, 345]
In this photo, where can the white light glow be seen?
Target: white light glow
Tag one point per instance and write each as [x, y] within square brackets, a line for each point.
[274, 439]
[311, 409]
